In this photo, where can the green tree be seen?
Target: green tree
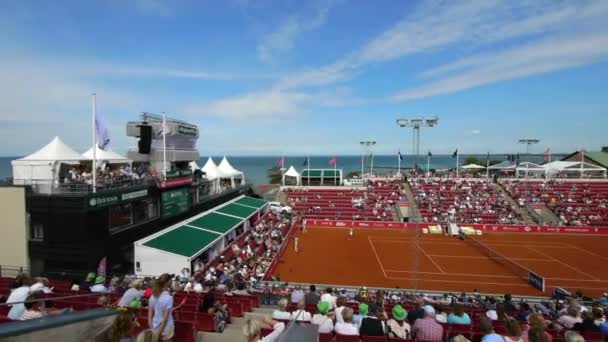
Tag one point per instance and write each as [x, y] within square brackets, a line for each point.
[274, 175]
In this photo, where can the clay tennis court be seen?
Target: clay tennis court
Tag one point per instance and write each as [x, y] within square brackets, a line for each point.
[386, 258]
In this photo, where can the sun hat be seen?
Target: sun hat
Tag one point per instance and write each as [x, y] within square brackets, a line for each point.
[363, 309]
[323, 307]
[399, 313]
[100, 280]
[429, 310]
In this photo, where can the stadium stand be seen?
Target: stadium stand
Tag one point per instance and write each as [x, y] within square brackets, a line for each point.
[576, 203]
[465, 200]
[375, 202]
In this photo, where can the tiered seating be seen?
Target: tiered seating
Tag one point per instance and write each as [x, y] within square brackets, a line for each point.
[371, 204]
[465, 200]
[575, 202]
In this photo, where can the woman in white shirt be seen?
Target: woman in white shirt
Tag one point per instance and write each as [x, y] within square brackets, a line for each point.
[326, 325]
[253, 330]
[346, 328]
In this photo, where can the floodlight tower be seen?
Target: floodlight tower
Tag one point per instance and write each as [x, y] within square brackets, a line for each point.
[416, 123]
[367, 147]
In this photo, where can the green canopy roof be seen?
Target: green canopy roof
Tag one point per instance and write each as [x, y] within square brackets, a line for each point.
[183, 240]
[252, 202]
[216, 222]
[237, 210]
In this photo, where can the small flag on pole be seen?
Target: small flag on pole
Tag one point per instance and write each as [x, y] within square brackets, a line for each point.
[332, 161]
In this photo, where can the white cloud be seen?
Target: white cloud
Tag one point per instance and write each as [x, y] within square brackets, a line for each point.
[283, 39]
[522, 61]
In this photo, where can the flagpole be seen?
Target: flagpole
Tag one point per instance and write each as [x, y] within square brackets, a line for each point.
[94, 166]
[164, 146]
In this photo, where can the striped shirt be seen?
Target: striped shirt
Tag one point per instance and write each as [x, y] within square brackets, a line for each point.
[427, 329]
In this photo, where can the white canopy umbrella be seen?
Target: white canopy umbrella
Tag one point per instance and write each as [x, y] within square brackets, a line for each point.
[472, 167]
[292, 173]
[230, 172]
[105, 155]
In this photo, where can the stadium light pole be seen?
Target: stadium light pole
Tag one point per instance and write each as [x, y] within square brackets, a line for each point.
[528, 142]
[416, 124]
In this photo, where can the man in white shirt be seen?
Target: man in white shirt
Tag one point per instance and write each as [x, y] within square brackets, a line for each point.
[99, 286]
[329, 297]
[282, 313]
[301, 315]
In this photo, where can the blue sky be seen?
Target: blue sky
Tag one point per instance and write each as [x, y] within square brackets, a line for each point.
[308, 77]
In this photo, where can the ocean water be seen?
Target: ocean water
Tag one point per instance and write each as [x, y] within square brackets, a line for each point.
[256, 167]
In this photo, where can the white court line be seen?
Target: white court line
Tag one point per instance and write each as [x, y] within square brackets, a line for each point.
[563, 263]
[377, 257]
[586, 251]
[431, 259]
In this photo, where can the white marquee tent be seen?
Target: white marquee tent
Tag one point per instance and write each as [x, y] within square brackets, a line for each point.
[292, 173]
[42, 166]
[227, 171]
[105, 156]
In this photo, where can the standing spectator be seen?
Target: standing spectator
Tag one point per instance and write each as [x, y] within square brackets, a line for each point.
[282, 312]
[513, 331]
[347, 327]
[131, 295]
[99, 286]
[312, 297]
[160, 317]
[301, 315]
[252, 330]
[297, 295]
[459, 316]
[485, 326]
[325, 323]
[329, 297]
[18, 295]
[398, 326]
[427, 329]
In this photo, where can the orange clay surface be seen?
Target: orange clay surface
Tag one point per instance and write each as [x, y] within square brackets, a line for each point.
[385, 258]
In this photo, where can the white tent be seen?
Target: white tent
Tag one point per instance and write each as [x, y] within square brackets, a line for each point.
[568, 167]
[230, 172]
[293, 174]
[472, 167]
[42, 166]
[105, 155]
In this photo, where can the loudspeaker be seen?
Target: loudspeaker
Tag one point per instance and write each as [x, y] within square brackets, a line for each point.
[145, 139]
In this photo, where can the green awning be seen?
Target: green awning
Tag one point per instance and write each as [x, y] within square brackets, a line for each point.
[237, 210]
[183, 240]
[216, 222]
[252, 202]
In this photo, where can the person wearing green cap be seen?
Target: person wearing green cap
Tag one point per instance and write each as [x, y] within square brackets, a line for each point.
[325, 323]
[398, 326]
[99, 286]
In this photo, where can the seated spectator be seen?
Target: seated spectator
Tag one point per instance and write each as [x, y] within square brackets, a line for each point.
[341, 304]
[373, 325]
[99, 286]
[297, 295]
[485, 326]
[398, 326]
[459, 316]
[282, 312]
[325, 323]
[513, 331]
[312, 297]
[18, 295]
[132, 295]
[329, 297]
[440, 315]
[252, 330]
[426, 328]
[347, 327]
[573, 336]
[572, 316]
[301, 315]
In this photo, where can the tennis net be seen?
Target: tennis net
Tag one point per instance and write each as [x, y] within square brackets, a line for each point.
[525, 273]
